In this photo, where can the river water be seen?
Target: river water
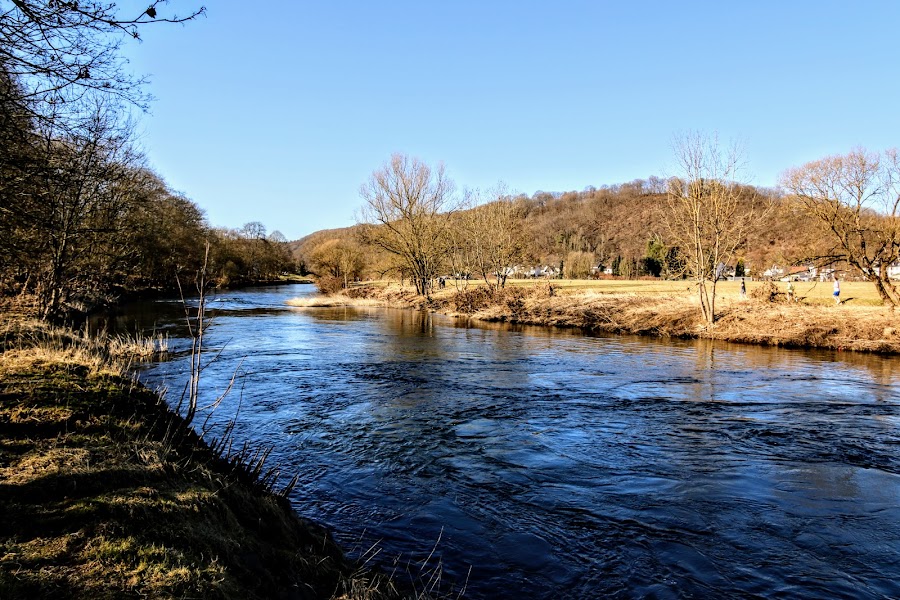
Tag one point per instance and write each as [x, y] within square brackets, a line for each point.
[545, 463]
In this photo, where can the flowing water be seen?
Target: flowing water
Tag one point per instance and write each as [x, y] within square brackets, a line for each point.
[560, 465]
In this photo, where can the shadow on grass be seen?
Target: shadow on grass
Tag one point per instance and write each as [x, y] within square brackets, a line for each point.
[104, 495]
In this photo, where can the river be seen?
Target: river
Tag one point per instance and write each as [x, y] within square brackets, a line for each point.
[545, 463]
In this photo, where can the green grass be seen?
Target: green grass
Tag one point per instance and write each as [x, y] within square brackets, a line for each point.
[98, 502]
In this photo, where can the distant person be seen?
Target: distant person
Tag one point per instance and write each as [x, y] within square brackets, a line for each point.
[837, 291]
[790, 290]
[743, 288]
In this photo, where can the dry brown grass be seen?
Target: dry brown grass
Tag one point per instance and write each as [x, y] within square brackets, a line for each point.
[27, 343]
[327, 301]
[670, 309]
[859, 328]
[76, 456]
[857, 293]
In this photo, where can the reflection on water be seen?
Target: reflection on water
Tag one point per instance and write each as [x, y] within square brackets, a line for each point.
[559, 465]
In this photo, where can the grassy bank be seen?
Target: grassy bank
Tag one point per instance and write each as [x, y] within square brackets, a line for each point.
[664, 309]
[105, 494]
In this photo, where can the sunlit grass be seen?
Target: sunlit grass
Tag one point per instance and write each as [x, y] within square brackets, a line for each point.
[853, 293]
[331, 301]
[27, 343]
[136, 346]
[809, 292]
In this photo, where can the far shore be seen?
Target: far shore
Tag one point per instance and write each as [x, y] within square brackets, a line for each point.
[665, 309]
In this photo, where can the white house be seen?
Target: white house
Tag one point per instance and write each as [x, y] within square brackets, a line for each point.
[539, 271]
[774, 272]
[802, 273]
[893, 270]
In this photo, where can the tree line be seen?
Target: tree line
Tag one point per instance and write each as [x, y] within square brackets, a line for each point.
[839, 212]
[616, 230]
[83, 219]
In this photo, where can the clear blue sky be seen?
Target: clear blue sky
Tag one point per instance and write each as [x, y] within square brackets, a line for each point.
[278, 111]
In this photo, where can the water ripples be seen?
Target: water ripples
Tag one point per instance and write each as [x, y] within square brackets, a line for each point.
[559, 465]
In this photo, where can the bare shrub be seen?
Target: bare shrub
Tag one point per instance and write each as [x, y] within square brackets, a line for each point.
[365, 291]
[578, 265]
[768, 292]
[473, 300]
[544, 290]
[514, 299]
[330, 284]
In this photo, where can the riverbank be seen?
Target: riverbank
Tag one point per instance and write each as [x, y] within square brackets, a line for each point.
[766, 320]
[105, 493]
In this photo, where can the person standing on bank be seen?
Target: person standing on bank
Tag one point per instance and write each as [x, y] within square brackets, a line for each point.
[743, 288]
[837, 290]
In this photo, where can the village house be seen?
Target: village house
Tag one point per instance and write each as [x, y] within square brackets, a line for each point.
[774, 272]
[800, 273]
[893, 270]
[542, 271]
[795, 273]
[826, 274]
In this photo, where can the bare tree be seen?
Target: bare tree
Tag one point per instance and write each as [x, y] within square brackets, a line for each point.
[63, 51]
[856, 197]
[83, 192]
[341, 259]
[496, 233]
[704, 214]
[164, 233]
[578, 265]
[461, 256]
[66, 165]
[254, 237]
[410, 205]
[19, 160]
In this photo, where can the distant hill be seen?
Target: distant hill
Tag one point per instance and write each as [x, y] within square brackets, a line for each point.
[620, 220]
[617, 222]
[300, 249]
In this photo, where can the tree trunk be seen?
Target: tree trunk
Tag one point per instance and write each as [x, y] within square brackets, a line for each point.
[886, 290]
[705, 309]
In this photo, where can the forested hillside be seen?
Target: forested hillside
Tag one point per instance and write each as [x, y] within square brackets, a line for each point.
[622, 227]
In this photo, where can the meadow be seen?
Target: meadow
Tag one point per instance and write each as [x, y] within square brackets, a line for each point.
[857, 293]
[853, 293]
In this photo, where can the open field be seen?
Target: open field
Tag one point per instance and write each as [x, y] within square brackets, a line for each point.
[860, 293]
[855, 293]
